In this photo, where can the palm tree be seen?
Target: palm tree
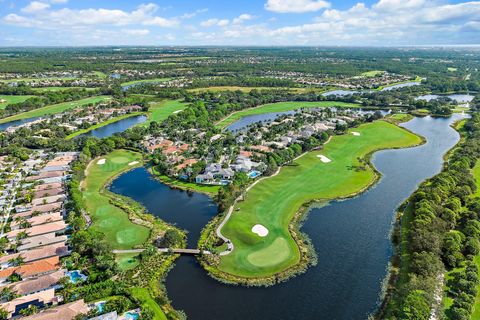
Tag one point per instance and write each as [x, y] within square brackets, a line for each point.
[3, 314]
[31, 309]
[8, 294]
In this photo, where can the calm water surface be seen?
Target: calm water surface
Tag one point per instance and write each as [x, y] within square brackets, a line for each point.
[343, 93]
[351, 238]
[119, 126]
[4, 126]
[460, 98]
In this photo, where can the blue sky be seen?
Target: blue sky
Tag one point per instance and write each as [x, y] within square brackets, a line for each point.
[240, 22]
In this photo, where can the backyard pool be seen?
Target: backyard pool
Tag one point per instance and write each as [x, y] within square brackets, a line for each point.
[253, 174]
[131, 315]
[76, 276]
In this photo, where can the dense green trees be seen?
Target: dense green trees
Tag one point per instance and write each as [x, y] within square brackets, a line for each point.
[444, 234]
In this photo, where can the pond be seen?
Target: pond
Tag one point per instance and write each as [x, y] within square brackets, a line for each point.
[459, 98]
[343, 93]
[119, 126]
[241, 124]
[351, 238]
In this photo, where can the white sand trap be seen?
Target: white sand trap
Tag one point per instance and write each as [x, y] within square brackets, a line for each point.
[260, 230]
[355, 133]
[101, 161]
[133, 163]
[177, 111]
[324, 159]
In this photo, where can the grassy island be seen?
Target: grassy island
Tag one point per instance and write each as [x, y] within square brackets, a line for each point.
[275, 201]
[111, 220]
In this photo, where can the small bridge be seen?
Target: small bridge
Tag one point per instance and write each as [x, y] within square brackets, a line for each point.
[166, 250]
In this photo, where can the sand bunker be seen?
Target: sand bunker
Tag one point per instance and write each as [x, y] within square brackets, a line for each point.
[260, 230]
[177, 111]
[355, 133]
[133, 163]
[324, 159]
[101, 161]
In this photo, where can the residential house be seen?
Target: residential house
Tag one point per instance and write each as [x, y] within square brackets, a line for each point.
[64, 312]
[31, 269]
[40, 299]
[38, 284]
[41, 241]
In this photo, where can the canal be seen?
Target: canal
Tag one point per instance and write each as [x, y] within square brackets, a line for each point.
[351, 237]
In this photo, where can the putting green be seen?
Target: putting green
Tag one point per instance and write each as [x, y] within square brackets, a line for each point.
[119, 231]
[273, 202]
[272, 255]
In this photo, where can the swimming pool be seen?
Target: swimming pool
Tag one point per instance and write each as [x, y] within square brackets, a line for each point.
[100, 306]
[131, 315]
[253, 174]
[76, 276]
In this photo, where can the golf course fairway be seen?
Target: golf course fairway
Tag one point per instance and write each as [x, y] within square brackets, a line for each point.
[274, 201]
[108, 219]
[282, 107]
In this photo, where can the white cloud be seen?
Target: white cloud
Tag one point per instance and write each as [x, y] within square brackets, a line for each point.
[190, 15]
[136, 32]
[65, 17]
[58, 1]
[162, 22]
[243, 17]
[35, 6]
[296, 6]
[215, 22]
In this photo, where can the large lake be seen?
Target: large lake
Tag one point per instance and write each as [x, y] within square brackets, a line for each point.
[351, 238]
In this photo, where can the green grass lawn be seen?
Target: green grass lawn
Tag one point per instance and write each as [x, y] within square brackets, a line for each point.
[476, 175]
[160, 111]
[119, 231]
[102, 124]
[127, 261]
[55, 108]
[142, 295]
[12, 100]
[281, 107]
[129, 83]
[36, 79]
[400, 117]
[54, 89]
[273, 202]
[373, 73]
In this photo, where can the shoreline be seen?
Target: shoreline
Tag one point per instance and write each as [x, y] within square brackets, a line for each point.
[303, 243]
[394, 267]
